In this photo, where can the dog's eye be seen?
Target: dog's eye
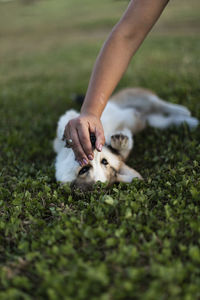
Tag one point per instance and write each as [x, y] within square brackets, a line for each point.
[104, 161]
[83, 170]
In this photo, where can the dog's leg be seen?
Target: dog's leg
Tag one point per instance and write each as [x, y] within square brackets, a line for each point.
[146, 102]
[162, 122]
[153, 110]
[122, 142]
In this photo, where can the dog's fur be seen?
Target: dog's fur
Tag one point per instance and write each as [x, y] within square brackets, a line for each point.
[127, 113]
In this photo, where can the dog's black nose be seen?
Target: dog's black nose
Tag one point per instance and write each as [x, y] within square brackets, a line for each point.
[93, 139]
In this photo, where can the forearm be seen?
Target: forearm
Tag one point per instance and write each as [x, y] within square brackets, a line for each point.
[110, 65]
[118, 50]
[112, 62]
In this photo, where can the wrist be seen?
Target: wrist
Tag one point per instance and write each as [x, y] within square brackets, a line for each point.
[93, 105]
[89, 113]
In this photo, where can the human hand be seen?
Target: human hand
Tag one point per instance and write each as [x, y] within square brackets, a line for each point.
[79, 130]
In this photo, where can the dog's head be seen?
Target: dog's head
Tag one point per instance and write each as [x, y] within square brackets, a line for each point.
[107, 166]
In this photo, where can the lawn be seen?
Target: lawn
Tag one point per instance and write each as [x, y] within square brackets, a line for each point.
[131, 241]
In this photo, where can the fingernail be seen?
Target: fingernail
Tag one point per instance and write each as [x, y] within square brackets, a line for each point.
[80, 163]
[99, 148]
[85, 161]
[90, 157]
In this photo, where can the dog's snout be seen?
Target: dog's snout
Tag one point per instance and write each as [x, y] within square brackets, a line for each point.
[93, 140]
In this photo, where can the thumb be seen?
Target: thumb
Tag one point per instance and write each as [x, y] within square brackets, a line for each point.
[100, 139]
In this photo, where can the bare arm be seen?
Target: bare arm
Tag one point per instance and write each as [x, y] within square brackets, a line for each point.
[113, 60]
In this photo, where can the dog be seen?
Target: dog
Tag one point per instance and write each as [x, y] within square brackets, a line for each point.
[127, 113]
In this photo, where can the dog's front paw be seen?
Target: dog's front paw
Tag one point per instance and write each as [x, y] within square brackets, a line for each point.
[119, 141]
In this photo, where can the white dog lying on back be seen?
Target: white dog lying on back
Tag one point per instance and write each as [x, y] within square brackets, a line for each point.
[126, 113]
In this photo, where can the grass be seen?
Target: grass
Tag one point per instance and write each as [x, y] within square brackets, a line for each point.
[132, 241]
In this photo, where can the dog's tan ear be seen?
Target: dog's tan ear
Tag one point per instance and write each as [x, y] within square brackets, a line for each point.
[126, 174]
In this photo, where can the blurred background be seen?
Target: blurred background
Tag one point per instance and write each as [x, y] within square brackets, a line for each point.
[48, 48]
[60, 39]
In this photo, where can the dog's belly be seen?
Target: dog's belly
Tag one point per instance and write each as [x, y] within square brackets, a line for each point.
[114, 118]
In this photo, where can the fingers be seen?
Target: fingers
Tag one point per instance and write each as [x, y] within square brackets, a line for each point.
[84, 138]
[100, 139]
[77, 148]
[79, 134]
[79, 130]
